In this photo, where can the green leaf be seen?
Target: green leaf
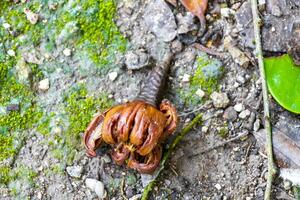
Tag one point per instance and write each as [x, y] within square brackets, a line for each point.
[283, 79]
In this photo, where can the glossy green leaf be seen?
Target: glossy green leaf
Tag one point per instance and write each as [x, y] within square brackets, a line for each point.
[283, 79]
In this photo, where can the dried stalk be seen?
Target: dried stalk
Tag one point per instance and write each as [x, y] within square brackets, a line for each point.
[166, 156]
[272, 170]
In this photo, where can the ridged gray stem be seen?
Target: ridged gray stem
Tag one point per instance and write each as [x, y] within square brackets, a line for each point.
[152, 87]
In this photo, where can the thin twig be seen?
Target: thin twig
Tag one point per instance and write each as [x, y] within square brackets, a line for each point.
[166, 156]
[272, 170]
[219, 145]
[122, 189]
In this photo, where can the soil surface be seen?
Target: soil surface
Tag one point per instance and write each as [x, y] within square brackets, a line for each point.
[222, 83]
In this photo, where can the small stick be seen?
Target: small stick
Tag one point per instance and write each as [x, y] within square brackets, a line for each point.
[122, 189]
[219, 145]
[175, 142]
[272, 170]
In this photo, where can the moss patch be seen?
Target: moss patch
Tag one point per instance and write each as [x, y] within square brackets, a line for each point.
[79, 108]
[206, 77]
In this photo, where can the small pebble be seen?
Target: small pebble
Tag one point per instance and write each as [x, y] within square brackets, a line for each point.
[13, 107]
[44, 84]
[6, 25]
[75, 171]
[239, 107]
[218, 186]
[31, 16]
[11, 53]
[112, 76]
[220, 100]
[204, 129]
[256, 125]
[186, 78]
[200, 93]
[244, 114]
[67, 52]
[97, 187]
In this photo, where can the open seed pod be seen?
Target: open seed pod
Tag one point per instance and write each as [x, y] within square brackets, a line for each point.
[135, 130]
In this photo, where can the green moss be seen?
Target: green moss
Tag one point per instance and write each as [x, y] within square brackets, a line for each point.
[5, 176]
[206, 77]
[296, 192]
[99, 35]
[80, 107]
[223, 132]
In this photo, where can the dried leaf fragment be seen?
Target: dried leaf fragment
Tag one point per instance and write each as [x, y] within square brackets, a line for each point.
[198, 8]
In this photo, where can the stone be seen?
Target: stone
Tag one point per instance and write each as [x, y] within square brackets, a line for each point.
[186, 23]
[186, 78]
[97, 187]
[67, 52]
[44, 85]
[218, 186]
[256, 125]
[200, 93]
[31, 16]
[239, 107]
[32, 57]
[220, 100]
[244, 114]
[11, 53]
[112, 76]
[136, 197]
[230, 114]
[136, 59]
[12, 107]
[176, 46]
[106, 159]
[75, 171]
[238, 56]
[227, 12]
[160, 20]
[204, 129]
[6, 25]
[22, 70]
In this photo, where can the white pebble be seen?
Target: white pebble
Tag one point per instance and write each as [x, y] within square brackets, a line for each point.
[75, 171]
[11, 53]
[186, 78]
[97, 187]
[31, 16]
[200, 93]
[218, 186]
[112, 76]
[67, 52]
[6, 25]
[239, 107]
[44, 84]
[244, 114]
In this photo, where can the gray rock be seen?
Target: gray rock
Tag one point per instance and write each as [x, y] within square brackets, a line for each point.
[220, 100]
[136, 59]
[160, 20]
[75, 171]
[185, 23]
[230, 114]
[277, 31]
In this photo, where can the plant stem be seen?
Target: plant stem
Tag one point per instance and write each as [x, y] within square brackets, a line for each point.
[166, 156]
[272, 170]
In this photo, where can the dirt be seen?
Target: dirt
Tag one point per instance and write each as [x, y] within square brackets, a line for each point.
[234, 171]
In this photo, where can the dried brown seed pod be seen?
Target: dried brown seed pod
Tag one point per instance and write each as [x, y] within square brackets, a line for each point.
[135, 130]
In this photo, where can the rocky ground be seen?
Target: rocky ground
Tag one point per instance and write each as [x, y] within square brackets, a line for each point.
[62, 62]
